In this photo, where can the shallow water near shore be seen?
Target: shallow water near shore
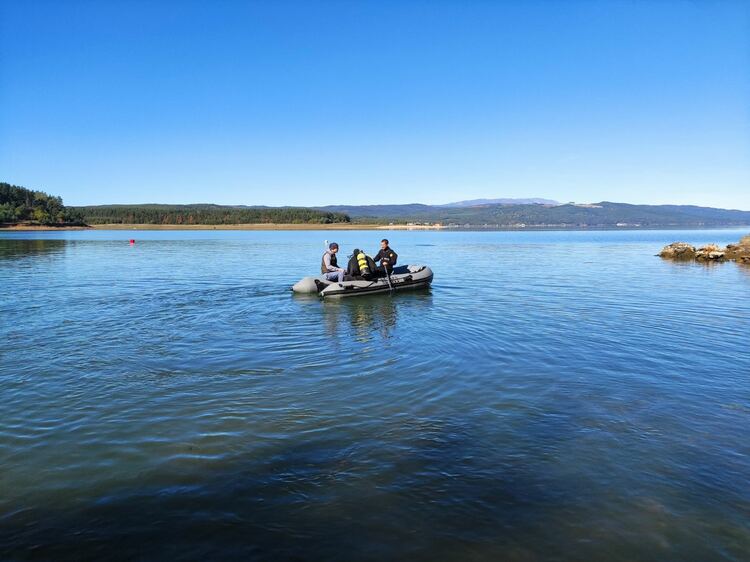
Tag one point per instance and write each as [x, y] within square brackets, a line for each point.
[554, 396]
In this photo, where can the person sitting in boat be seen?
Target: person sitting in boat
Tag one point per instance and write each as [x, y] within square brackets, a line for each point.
[360, 266]
[386, 256]
[329, 266]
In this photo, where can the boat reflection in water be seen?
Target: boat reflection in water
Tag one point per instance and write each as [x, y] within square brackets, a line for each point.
[368, 318]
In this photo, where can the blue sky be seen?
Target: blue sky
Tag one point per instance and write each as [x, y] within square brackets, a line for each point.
[311, 103]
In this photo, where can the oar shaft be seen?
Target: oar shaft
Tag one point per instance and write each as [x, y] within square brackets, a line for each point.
[388, 277]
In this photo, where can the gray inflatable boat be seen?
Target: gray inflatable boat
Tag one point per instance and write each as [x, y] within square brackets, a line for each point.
[402, 278]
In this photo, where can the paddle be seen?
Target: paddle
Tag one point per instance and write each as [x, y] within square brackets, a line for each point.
[387, 275]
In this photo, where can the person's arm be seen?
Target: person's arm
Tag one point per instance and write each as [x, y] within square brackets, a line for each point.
[379, 256]
[393, 258]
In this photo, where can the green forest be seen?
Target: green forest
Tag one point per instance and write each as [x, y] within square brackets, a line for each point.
[21, 205]
[206, 214]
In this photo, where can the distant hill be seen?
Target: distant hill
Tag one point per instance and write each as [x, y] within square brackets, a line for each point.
[382, 211]
[480, 202]
[596, 215]
[18, 204]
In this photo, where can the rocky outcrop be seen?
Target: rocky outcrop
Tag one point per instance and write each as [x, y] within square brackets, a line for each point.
[678, 251]
[683, 251]
[710, 252]
[739, 252]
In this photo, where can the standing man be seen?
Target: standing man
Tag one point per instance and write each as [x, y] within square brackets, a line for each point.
[329, 266]
[386, 256]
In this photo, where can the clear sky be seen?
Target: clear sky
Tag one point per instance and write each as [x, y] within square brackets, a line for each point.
[311, 103]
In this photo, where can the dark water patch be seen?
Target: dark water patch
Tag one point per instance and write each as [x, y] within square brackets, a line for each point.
[439, 482]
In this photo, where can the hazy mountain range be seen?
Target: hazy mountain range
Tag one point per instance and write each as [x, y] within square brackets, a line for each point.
[478, 202]
[569, 215]
[18, 204]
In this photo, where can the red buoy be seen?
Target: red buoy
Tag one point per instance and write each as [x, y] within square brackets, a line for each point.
[132, 241]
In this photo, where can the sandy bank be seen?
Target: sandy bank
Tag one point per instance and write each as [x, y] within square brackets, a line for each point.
[266, 226]
[21, 227]
[411, 227]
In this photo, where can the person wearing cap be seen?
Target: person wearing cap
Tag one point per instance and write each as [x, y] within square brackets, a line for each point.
[329, 266]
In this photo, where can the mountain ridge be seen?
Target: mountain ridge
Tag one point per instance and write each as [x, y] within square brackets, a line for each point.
[18, 204]
[568, 215]
[501, 201]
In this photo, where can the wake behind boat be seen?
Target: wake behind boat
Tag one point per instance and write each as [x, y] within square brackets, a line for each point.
[401, 278]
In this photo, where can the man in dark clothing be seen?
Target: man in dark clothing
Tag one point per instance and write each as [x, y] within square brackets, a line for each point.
[386, 256]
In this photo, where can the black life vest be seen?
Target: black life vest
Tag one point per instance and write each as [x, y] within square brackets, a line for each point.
[334, 262]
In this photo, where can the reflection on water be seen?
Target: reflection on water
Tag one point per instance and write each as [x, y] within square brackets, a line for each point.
[173, 400]
[22, 248]
[744, 268]
[366, 318]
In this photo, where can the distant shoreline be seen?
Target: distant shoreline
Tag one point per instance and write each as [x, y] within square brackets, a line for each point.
[260, 226]
[37, 227]
[352, 226]
[253, 226]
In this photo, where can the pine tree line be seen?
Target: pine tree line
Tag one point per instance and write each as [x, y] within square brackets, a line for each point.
[18, 204]
[206, 214]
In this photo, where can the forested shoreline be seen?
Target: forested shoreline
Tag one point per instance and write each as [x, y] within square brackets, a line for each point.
[206, 214]
[25, 207]
[21, 205]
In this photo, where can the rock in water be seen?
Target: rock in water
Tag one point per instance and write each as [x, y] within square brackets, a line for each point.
[678, 251]
[710, 252]
[739, 252]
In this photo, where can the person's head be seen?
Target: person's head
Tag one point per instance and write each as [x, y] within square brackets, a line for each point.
[333, 247]
[384, 244]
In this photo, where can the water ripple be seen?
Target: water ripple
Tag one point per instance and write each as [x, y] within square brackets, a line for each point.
[553, 396]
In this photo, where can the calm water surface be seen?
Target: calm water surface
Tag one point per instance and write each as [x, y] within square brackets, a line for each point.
[554, 396]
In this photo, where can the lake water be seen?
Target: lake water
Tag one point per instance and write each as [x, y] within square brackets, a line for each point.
[554, 396]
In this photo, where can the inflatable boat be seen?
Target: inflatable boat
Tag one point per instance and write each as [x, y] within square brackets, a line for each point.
[401, 278]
